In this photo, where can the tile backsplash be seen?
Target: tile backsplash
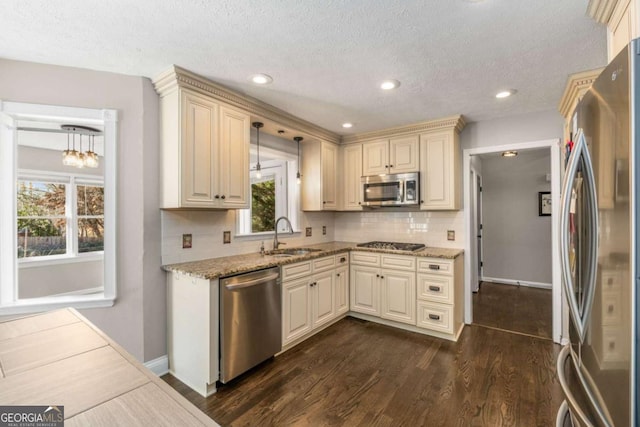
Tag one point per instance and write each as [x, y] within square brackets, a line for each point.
[207, 229]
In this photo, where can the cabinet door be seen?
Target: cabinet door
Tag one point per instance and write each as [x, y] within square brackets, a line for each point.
[398, 296]
[296, 313]
[352, 172]
[375, 157]
[403, 154]
[234, 159]
[342, 290]
[323, 287]
[365, 290]
[329, 158]
[439, 169]
[199, 151]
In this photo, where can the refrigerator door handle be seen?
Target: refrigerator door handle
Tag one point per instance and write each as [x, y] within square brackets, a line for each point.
[580, 315]
[563, 413]
[573, 407]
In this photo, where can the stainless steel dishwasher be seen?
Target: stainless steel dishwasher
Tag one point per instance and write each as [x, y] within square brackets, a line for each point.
[250, 321]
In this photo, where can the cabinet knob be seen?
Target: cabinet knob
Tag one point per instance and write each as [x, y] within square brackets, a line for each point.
[217, 196]
[386, 166]
[338, 274]
[390, 166]
[382, 277]
[359, 203]
[223, 197]
[422, 202]
[377, 275]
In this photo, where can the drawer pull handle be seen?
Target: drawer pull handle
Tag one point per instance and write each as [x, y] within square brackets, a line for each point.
[434, 267]
[434, 316]
[434, 288]
[343, 259]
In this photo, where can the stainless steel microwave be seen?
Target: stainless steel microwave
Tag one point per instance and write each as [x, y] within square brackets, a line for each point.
[391, 190]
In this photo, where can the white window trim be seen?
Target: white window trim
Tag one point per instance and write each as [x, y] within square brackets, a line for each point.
[9, 112]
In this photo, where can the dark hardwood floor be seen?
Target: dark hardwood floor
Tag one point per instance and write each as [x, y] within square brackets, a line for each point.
[357, 373]
[514, 308]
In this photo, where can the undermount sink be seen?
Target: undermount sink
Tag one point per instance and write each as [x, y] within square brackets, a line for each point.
[283, 253]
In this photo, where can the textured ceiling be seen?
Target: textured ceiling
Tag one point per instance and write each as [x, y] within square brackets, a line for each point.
[328, 57]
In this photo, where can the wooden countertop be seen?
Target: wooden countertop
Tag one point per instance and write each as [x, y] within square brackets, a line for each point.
[214, 268]
[60, 358]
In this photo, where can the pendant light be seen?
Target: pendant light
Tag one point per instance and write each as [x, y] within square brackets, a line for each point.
[298, 176]
[80, 159]
[258, 125]
[69, 156]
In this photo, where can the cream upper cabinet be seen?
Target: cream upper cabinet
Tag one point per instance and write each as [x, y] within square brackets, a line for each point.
[200, 140]
[395, 155]
[622, 21]
[351, 167]
[234, 159]
[440, 170]
[319, 176]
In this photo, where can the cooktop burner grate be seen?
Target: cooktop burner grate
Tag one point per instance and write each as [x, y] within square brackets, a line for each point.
[394, 246]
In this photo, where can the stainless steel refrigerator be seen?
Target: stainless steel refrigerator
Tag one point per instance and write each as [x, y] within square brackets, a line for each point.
[598, 226]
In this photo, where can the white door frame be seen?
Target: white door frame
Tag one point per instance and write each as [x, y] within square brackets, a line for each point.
[474, 254]
[554, 146]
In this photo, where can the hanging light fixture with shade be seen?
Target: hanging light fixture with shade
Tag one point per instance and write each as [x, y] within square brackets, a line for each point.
[298, 176]
[258, 125]
[80, 159]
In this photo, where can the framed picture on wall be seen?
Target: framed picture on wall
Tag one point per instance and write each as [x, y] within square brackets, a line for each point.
[544, 203]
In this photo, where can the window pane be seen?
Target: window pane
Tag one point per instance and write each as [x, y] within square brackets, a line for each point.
[41, 237]
[90, 234]
[37, 198]
[90, 200]
[263, 206]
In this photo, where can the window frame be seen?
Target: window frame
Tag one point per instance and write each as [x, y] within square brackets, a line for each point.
[72, 181]
[9, 113]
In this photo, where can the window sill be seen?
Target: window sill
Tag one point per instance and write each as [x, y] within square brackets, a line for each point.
[60, 259]
[267, 234]
[36, 305]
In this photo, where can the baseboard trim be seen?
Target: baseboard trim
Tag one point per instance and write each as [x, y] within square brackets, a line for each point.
[159, 366]
[500, 281]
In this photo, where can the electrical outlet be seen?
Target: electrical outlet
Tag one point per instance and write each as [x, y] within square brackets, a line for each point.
[451, 235]
[187, 241]
[226, 237]
[308, 231]
[324, 230]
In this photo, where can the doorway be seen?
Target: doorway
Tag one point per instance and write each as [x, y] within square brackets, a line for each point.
[497, 275]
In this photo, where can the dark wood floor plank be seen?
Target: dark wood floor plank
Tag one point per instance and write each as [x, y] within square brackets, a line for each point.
[361, 373]
[514, 308]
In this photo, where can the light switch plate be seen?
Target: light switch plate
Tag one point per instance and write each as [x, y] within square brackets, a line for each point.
[451, 235]
[324, 230]
[308, 231]
[187, 241]
[226, 237]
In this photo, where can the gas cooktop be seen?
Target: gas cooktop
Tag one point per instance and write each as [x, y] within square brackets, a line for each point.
[394, 246]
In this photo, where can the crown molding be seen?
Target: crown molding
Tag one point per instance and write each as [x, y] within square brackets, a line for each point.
[577, 85]
[177, 77]
[453, 122]
[601, 10]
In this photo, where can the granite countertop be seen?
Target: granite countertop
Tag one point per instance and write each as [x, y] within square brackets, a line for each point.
[214, 268]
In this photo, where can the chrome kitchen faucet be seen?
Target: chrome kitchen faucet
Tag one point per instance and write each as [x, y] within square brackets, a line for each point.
[276, 244]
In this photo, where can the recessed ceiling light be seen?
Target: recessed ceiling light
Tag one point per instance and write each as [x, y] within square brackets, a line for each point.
[389, 84]
[347, 125]
[509, 153]
[261, 79]
[505, 93]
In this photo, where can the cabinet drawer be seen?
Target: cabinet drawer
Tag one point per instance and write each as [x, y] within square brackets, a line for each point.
[342, 259]
[365, 258]
[435, 288]
[437, 317]
[293, 271]
[398, 262]
[325, 263]
[611, 308]
[435, 266]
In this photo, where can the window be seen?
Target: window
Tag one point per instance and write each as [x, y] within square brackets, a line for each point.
[57, 225]
[273, 195]
[59, 215]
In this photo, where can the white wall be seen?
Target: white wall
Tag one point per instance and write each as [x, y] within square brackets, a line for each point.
[137, 321]
[516, 241]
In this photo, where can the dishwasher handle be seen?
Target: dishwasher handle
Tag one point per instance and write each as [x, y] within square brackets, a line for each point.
[252, 282]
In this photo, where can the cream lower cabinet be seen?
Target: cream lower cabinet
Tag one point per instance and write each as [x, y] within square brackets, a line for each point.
[440, 296]
[313, 294]
[384, 285]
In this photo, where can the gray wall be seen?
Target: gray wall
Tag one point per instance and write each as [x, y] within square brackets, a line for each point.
[137, 321]
[516, 241]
